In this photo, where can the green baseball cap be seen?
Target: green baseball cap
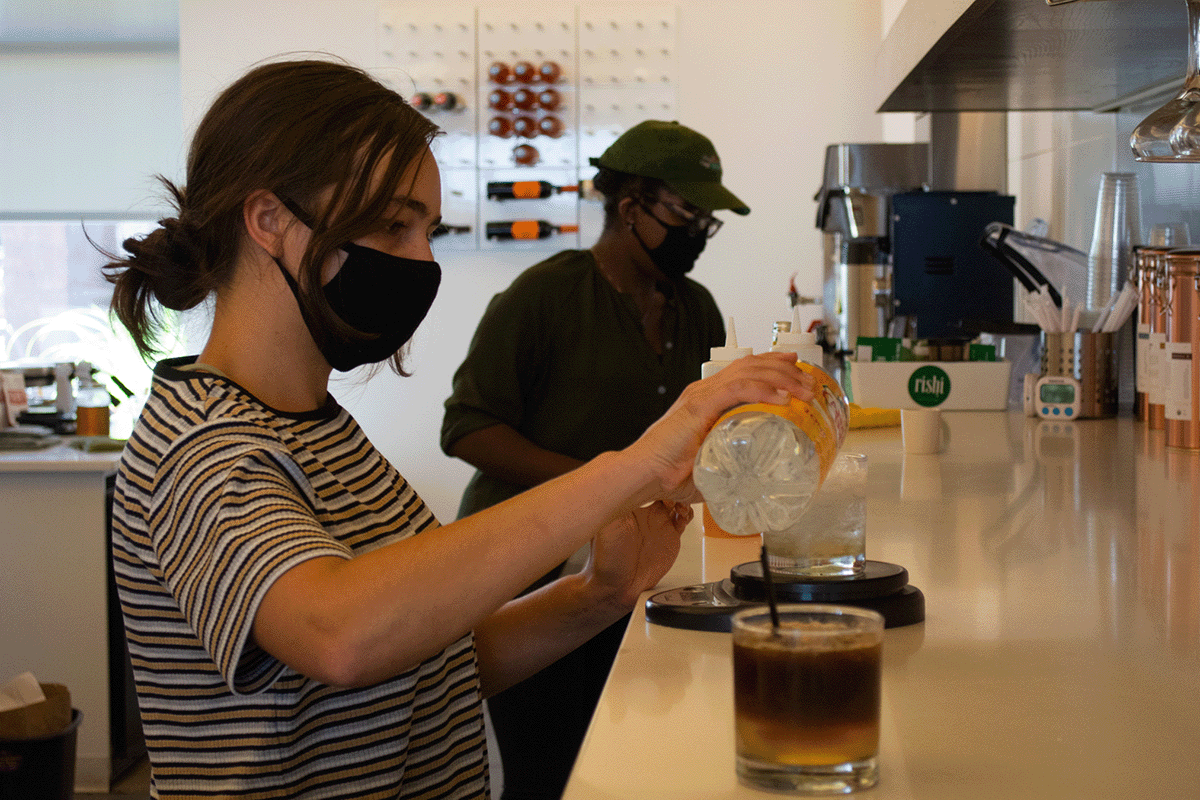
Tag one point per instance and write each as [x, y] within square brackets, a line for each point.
[684, 159]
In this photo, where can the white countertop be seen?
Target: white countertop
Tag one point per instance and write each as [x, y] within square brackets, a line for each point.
[59, 458]
[1059, 657]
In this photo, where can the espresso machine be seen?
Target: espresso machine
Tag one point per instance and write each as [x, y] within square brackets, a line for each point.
[854, 211]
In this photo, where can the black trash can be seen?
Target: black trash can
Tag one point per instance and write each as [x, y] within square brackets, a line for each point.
[40, 768]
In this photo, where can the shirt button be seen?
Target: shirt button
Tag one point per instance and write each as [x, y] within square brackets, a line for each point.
[662, 390]
[668, 345]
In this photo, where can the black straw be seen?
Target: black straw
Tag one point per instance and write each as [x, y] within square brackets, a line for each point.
[774, 606]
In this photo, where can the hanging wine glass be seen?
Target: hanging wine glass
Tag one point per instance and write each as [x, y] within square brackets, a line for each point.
[1172, 133]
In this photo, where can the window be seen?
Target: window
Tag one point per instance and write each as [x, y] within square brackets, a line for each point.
[54, 306]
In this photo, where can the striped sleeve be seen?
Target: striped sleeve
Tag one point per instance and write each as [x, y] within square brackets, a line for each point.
[228, 518]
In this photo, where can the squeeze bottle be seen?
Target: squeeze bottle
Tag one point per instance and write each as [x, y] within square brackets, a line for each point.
[761, 463]
[788, 338]
[720, 357]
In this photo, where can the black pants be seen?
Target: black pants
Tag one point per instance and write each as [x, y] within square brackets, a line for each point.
[540, 722]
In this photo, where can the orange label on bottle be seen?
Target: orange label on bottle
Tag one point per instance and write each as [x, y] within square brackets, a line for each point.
[525, 229]
[526, 190]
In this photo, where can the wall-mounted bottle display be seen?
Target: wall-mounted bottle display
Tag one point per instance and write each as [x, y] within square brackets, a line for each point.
[526, 229]
[524, 190]
[526, 99]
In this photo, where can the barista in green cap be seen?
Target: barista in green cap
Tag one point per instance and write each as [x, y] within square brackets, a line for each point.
[578, 356]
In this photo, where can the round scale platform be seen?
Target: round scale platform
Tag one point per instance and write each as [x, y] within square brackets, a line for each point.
[882, 587]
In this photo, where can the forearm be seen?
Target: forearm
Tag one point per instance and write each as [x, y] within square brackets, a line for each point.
[358, 621]
[539, 628]
[501, 452]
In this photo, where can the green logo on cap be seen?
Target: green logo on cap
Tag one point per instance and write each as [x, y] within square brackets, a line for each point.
[929, 386]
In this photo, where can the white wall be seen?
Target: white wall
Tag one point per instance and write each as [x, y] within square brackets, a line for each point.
[772, 82]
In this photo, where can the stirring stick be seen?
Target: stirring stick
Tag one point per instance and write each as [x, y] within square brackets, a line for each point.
[771, 603]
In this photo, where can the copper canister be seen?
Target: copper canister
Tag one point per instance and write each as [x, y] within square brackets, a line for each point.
[1146, 261]
[1181, 365]
[1156, 345]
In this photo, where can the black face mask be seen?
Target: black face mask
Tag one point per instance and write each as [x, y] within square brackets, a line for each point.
[374, 292]
[677, 253]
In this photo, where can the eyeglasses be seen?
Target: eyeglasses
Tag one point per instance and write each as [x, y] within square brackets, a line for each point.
[699, 223]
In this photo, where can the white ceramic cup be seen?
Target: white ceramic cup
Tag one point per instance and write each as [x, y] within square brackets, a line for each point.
[921, 429]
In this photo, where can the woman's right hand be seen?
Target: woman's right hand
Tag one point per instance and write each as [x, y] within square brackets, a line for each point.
[670, 444]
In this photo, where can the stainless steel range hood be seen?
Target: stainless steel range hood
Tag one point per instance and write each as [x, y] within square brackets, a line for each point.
[1021, 55]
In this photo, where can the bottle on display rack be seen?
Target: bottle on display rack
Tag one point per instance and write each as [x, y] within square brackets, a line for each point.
[524, 72]
[551, 126]
[525, 99]
[549, 99]
[526, 155]
[526, 127]
[447, 101]
[526, 229]
[524, 190]
[500, 100]
[500, 126]
[498, 72]
[549, 71]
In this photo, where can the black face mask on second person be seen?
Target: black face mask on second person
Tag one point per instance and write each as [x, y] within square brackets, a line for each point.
[373, 292]
[677, 253]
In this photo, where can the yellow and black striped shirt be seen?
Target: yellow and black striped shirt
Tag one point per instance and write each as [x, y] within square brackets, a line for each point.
[218, 495]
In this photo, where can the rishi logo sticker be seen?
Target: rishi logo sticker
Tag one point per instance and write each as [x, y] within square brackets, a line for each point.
[929, 386]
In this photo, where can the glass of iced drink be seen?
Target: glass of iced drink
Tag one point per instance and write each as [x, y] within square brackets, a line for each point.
[806, 698]
[829, 539]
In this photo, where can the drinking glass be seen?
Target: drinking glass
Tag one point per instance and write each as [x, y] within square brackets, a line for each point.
[830, 536]
[806, 698]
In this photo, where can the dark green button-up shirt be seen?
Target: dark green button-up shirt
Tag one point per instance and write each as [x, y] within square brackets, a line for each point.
[561, 357]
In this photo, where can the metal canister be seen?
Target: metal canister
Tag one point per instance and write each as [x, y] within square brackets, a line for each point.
[1155, 348]
[1146, 266]
[1181, 363]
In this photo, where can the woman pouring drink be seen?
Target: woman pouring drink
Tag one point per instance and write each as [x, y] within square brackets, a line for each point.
[299, 623]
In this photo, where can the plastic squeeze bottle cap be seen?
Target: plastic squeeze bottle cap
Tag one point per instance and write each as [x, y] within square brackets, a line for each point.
[722, 356]
[802, 343]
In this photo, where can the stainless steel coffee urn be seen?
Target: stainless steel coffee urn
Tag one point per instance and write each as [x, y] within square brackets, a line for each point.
[854, 211]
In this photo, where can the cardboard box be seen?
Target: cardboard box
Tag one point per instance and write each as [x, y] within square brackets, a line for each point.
[948, 385]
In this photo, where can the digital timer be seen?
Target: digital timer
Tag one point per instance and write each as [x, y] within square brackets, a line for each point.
[1057, 397]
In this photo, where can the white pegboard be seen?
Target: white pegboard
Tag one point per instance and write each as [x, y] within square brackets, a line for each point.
[618, 67]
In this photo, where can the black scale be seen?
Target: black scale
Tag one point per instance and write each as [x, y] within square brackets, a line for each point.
[882, 587]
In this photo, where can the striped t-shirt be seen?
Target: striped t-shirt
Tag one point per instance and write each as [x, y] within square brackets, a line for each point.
[218, 495]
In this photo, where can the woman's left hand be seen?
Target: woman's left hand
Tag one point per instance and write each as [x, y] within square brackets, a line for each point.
[633, 552]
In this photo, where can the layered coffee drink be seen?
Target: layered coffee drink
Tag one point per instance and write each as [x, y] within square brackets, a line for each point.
[807, 698]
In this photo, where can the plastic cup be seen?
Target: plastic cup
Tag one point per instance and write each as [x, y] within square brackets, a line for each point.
[1117, 229]
[921, 430]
